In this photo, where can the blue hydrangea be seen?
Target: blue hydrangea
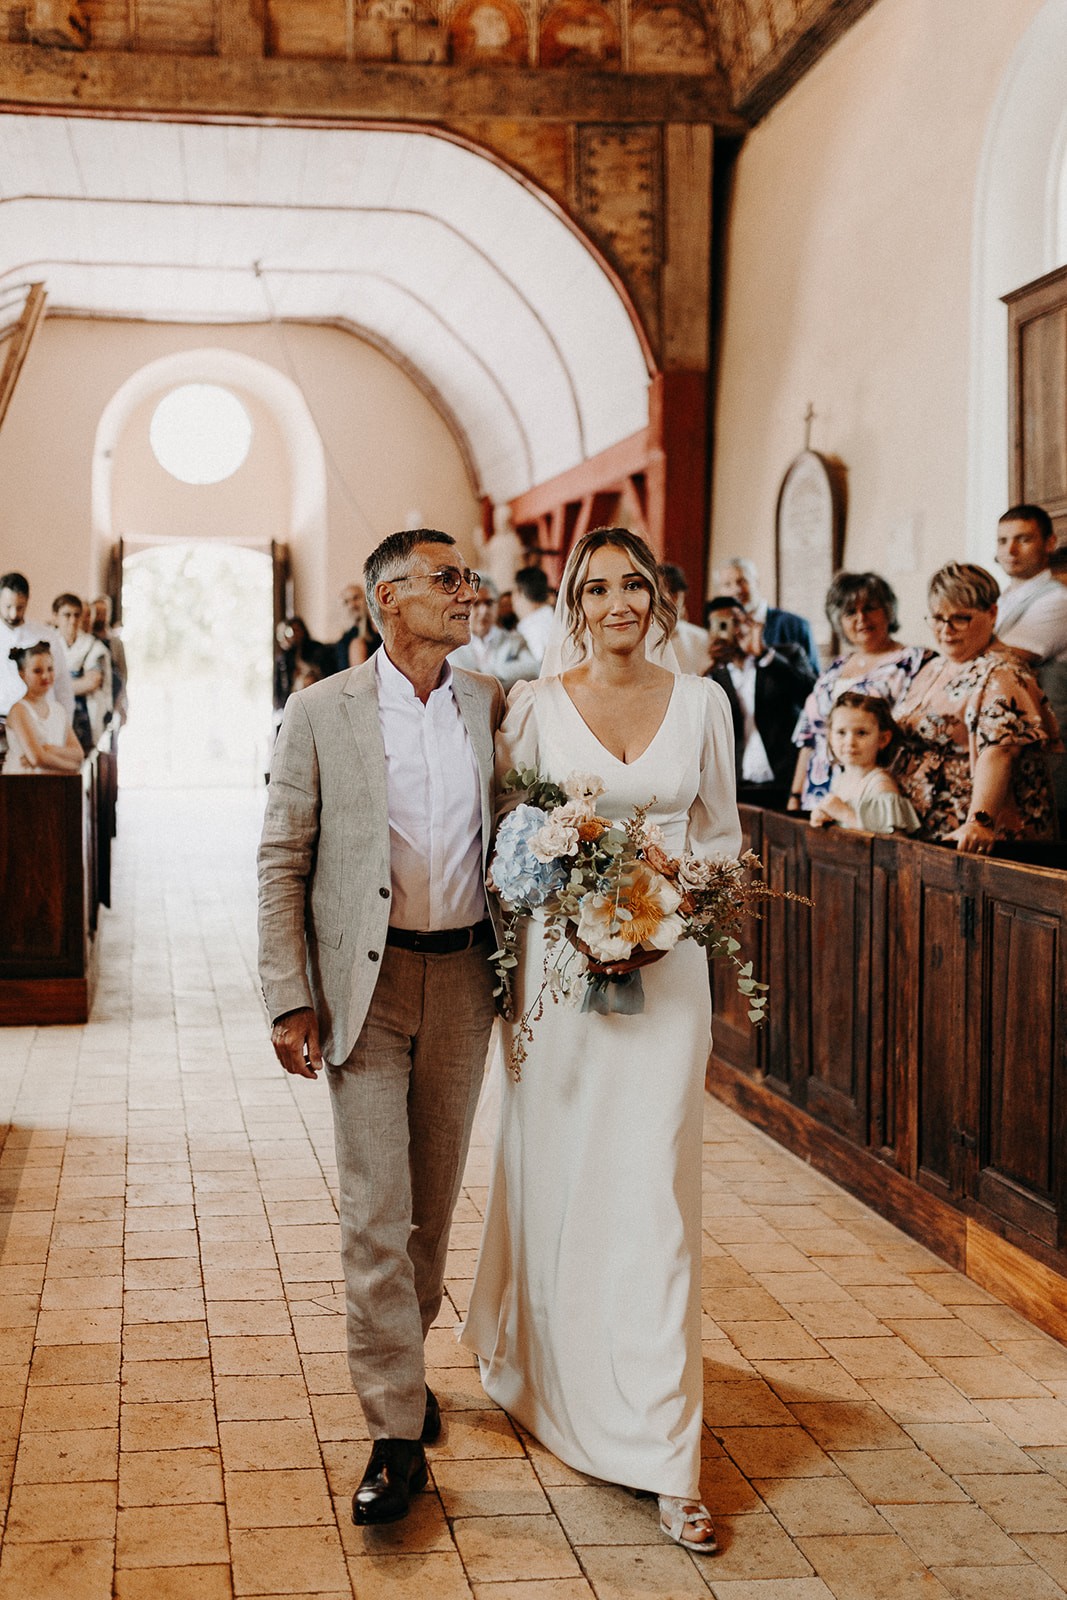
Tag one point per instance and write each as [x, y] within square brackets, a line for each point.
[520, 879]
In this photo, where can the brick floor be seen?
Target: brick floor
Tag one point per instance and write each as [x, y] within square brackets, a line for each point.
[176, 1421]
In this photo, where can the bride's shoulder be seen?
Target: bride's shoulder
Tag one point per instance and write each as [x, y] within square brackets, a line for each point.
[706, 697]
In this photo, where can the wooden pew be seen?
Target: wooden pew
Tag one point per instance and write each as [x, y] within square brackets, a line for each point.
[55, 872]
[916, 1043]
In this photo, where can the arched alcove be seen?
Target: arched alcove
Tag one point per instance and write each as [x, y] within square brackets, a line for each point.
[1019, 233]
[297, 512]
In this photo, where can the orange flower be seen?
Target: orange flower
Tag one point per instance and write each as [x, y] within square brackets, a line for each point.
[591, 830]
[660, 861]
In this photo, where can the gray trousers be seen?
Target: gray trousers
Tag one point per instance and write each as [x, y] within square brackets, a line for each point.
[403, 1105]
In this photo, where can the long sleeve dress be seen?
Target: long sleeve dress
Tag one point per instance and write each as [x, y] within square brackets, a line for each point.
[585, 1310]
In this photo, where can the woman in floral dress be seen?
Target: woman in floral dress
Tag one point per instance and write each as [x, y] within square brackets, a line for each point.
[976, 727]
[862, 608]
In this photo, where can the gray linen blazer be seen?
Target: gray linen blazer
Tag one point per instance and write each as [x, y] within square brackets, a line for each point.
[324, 883]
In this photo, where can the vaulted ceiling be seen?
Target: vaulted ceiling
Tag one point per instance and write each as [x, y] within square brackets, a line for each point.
[437, 255]
[234, 160]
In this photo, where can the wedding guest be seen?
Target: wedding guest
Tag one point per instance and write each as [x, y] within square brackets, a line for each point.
[89, 664]
[296, 647]
[494, 650]
[976, 728]
[862, 609]
[15, 633]
[97, 619]
[766, 688]
[1032, 612]
[691, 644]
[740, 577]
[529, 597]
[361, 638]
[40, 738]
[863, 795]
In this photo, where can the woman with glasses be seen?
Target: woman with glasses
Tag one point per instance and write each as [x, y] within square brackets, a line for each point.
[862, 609]
[976, 727]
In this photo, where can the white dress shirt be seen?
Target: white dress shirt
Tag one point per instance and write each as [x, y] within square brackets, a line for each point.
[755, 768]
[435, 808]
[12, 687]
[536, 629]
[1033, 616]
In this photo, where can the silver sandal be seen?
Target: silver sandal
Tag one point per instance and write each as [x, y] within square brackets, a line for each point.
[676, 1515]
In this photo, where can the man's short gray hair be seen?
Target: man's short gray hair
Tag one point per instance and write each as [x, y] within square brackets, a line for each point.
[390, 558]
[743, 564]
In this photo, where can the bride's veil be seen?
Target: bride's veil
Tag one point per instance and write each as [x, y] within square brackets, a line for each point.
[562, 652]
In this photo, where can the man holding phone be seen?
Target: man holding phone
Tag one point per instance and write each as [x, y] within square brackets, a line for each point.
[766, 688]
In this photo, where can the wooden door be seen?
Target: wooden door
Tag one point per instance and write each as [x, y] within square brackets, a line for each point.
[113, 580]
[1037, 395]
[1017, 981]
[283, 583]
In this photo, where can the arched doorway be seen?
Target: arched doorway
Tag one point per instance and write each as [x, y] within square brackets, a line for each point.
[205, 462]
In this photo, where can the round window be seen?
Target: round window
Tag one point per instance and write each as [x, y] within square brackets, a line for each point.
[200, 433]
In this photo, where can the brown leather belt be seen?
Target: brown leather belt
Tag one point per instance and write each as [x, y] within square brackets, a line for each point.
[445, 942]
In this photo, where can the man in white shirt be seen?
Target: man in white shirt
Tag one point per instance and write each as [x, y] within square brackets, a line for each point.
[374, 959]
[16, 631]
[501, 652]
[529, 596]
[691, 644]
[1032, 612]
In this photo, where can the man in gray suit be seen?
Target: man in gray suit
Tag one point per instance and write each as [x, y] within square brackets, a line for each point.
[374, 946]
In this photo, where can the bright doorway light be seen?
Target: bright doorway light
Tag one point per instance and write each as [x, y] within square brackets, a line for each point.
[196, 623]
[200, 433]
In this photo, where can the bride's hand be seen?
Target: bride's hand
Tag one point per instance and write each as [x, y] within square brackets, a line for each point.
[614, 969]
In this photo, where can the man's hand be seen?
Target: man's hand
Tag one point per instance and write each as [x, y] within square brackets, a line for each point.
[751, 638]
[295, 1037]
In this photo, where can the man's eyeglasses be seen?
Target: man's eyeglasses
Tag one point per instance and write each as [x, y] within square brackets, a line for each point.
[955, 623]
[450, 579]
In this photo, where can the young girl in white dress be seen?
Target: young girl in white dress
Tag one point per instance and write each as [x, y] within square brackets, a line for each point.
[39, 735]
[585, 1310]
[863, 795]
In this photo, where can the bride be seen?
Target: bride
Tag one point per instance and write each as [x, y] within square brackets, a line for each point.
[585, 1312]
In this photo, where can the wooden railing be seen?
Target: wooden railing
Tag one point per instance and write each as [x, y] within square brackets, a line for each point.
[916, 1045]
[55, 873]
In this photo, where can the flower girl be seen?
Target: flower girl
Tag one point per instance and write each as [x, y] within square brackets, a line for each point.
[862, 793]
[39, 735]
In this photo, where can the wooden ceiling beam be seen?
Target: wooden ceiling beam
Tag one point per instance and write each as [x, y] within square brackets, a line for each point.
[138, 84]
[821, 24]
[17, 341]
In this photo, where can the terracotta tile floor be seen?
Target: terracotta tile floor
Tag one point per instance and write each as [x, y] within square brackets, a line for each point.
[176, 1421]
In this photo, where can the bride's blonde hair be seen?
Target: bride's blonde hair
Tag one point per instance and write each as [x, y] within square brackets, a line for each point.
[575, 573]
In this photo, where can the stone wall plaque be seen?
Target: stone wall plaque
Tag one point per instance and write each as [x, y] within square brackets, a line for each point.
[809, 539]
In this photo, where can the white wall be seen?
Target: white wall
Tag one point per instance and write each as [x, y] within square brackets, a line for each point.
[850, 261]
[388, 453]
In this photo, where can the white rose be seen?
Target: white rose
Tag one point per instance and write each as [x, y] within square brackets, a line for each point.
[583, 786]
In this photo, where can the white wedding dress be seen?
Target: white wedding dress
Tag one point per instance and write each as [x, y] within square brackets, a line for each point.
[585, 1310]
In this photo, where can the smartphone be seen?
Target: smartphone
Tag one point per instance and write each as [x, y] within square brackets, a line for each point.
[722, 624]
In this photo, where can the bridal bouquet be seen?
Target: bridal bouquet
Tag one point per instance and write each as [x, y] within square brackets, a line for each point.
[612, 900]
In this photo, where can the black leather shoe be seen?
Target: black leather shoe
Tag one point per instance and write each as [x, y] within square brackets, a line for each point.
[395, 1471]
[431, 1422]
